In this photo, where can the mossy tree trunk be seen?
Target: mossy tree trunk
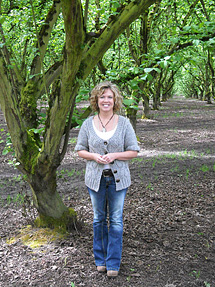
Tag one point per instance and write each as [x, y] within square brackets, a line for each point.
[146, 108]
[40, 156]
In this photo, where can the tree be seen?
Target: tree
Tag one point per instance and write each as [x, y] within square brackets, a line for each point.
[41, 145]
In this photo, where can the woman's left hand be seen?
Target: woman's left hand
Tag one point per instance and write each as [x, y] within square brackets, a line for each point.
[110, 157]
[125, 155]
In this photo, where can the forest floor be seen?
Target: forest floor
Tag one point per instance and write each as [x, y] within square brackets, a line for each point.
[169, 213]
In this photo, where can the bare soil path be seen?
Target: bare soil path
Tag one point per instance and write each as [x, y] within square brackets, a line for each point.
[169, 214]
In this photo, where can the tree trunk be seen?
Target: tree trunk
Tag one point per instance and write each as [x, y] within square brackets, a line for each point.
[132, 115]
[146, 108]
[164, 97]
[52, 211]
[155, 100]
[45, 196]
[156, 95]
[207, 87]
[38, 161]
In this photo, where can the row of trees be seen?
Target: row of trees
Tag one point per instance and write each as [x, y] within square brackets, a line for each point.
[53, 52]
[169, 49]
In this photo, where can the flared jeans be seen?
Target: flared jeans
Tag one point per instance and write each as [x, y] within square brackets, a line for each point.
[107, 241]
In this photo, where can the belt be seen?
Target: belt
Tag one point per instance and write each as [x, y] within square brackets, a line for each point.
[107, 172]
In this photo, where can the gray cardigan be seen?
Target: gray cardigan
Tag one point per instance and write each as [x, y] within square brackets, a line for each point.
[124, 139]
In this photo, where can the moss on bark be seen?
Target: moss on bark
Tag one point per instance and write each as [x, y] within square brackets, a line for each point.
[28, 103]
[65, 223]
[30, 154]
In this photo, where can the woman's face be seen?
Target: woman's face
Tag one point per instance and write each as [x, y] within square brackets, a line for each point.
[106, 101]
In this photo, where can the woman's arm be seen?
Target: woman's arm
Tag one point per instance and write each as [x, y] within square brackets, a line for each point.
[107, 158]
[125, 155]
[92, 156]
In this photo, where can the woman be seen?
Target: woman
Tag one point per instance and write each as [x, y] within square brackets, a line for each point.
[107, 141]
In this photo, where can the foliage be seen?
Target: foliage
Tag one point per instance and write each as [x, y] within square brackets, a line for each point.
[176, 34]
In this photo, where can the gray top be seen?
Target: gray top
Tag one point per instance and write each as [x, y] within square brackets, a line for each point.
[124, 139]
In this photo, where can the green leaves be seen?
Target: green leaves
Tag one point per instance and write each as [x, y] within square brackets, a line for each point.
[148, 70]
[83, 95]
[37, 131]
[164, 62]
[8, 146]
[2, 19]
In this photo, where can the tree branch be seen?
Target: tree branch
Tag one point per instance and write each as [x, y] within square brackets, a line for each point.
[53, 72]
[6, 54]
[189, 12]
[188, 44]
[44, 36]
[131, 47]
[65, 100]
[86, 12]
[111, 32]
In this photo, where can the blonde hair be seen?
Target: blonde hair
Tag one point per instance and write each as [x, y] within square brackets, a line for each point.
[99, 90]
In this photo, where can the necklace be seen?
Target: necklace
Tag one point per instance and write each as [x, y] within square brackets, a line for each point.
[103, 126]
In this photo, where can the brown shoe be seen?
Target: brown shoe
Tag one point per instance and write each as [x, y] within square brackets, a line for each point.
[101, 269]
[112, 273]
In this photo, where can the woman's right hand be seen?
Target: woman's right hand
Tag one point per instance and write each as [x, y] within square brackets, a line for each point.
[99, 159]
[92, 156]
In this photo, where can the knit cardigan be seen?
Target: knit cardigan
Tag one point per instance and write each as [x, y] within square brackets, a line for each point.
[124, 139]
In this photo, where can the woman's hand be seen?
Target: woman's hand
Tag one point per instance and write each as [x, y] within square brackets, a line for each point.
[125, 155]
[108, 158]
[99, 158]
[92, 156]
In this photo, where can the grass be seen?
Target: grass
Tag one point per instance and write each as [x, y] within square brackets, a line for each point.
[204, 168]
[168, 115]
[149, 186]
[63, 173]
[137, 159]
[196, 274]
[73, 140]
[180, 164]
[18, 199]
[187, 173]
[175, 169]
[154, 162]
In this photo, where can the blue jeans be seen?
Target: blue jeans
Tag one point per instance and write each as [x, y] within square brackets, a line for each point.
[107, 242]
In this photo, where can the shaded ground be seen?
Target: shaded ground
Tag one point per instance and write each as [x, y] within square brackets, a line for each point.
[169, 219]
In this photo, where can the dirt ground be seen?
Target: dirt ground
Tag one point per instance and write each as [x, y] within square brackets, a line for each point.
[169, 214]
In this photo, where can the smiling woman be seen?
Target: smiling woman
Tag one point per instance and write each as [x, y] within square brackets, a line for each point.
[105, 118]
[107, 141]
[106, 101]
